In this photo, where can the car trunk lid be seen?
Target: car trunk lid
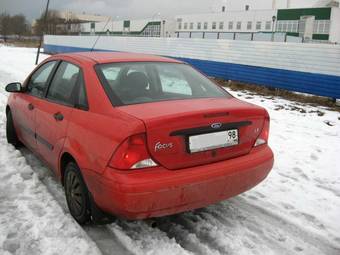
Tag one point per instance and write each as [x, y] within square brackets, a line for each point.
[173, 127]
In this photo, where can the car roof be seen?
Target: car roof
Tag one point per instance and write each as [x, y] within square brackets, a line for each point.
[115, 57]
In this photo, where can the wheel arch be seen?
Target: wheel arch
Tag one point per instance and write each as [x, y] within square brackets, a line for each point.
[65, 158]
[7, 109]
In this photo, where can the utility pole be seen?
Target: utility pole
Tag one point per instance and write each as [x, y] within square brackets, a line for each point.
[273, 27]
[43, 31]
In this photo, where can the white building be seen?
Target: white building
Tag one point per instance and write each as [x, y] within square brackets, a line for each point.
[238, 20]
[314, 24]
[215, 24]
[138, 27]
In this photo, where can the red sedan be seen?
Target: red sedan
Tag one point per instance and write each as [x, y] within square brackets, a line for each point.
[137, 136]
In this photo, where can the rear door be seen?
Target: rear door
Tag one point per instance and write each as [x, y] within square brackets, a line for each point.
[25, 110]
[53, 113]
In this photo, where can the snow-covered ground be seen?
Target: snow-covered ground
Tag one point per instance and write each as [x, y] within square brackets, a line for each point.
[296, 210]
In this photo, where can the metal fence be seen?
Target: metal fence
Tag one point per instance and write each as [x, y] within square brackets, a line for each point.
[308, 68]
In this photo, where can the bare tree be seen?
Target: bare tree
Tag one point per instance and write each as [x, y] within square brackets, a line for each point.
[5, 21]
[13, 25]
[19, 25]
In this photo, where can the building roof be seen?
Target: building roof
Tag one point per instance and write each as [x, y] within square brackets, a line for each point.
[327, 3]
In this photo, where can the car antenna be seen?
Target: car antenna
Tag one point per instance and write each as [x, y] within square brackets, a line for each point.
[94, 45]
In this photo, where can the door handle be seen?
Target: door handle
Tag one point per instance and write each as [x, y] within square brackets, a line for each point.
[58, 116]
[30, 106]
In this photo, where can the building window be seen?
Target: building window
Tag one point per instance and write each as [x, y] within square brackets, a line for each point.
[180, 26]
[199, 25]
[185, 25]
[205, 25]
[230, 25]
[287, 26]
[213, 26]
[321, 27]
[191, 25]
[268, 25]
[258, 25]
[249, 25]
[221, 25]
[152, 31]
[295, 26]
[238, 25]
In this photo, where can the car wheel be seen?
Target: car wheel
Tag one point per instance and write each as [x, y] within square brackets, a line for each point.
[11, 134]
[77, 195]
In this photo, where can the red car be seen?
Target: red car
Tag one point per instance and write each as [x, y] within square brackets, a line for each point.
[137, 136]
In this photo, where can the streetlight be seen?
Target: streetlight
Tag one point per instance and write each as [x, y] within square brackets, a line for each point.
[273, 19]
[42, 32]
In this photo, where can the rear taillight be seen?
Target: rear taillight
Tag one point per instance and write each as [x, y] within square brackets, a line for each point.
[263, 137]
[132, 154]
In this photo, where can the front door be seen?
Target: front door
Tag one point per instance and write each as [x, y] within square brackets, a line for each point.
[53, 113]
[307, 27]
[25, 114]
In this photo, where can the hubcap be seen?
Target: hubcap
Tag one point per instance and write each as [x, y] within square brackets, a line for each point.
[74, 194]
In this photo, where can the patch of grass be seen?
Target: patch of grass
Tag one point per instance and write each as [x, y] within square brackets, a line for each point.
[285, 94]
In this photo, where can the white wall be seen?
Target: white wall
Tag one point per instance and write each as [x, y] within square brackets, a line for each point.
[334, 35]
[311, 58]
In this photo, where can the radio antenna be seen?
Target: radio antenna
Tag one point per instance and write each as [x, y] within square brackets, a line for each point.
[94, 45]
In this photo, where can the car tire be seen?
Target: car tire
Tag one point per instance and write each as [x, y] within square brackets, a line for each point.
[77, 195]
[11, 134]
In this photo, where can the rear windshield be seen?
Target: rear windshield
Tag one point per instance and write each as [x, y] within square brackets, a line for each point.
[142, 82]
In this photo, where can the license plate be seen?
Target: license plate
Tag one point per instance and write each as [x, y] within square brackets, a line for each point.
[214, 140]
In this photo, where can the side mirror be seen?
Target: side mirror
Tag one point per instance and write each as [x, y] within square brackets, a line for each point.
[14, 87]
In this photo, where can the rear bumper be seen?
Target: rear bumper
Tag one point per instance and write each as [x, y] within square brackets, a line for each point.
[158, 192]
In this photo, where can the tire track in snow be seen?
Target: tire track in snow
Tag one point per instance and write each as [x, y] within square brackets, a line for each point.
[106, 241]
[241, 225]
[31, 221]
[106, 238]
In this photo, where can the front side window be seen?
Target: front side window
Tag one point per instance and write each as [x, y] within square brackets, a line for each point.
[268, 25]
[191, 25]
[185, 25]
[142, 82]
[38, 81]
[221, 25]
[199, 25]
[213, 25]
[63, 86]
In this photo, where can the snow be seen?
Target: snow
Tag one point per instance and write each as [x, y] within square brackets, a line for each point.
[294, 211]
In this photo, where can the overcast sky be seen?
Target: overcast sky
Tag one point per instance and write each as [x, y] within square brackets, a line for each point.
[137, 8]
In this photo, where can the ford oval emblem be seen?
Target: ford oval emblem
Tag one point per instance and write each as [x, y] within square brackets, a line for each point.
[216, 125]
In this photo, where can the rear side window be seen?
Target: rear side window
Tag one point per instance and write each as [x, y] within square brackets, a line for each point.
[63, 87]
[38, 81]
[140, 82]
[81, 100]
